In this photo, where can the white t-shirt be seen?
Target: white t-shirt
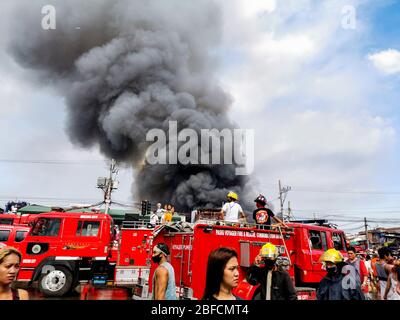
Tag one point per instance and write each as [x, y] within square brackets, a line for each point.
[231, 211]
[153, 218]
[160, 212]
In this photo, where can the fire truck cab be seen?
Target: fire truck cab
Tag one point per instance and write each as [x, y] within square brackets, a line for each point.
[311, 241]
[63, 248]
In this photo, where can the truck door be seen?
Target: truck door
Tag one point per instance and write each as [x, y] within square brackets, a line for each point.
[88, 241]
[44, 237]
[318, 245]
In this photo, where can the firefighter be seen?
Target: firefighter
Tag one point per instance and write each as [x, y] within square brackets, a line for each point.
[275, 283]
[10, 259]
[335, 285]
[263, 215]
[164, 276]
[231, 210]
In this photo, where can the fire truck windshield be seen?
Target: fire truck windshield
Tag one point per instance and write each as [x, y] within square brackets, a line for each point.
[46, 227]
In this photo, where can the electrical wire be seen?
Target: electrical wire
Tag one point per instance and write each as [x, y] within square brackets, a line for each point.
[54, 162]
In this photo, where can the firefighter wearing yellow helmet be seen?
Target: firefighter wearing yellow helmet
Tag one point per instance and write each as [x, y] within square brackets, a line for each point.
[331, 255]
[231, 210]
[269, 251]
[275, 283]
[340, 282]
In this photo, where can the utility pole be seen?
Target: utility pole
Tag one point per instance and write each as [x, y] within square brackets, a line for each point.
[366, 232]
[108, 184]
[282, 191]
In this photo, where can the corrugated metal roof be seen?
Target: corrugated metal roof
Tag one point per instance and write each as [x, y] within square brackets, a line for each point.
[34, 208]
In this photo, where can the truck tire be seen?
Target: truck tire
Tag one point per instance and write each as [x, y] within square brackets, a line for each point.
[56, 283]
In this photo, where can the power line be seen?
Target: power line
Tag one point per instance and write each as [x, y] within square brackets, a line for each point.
[325, 189]
[350, 192]
[54, 162]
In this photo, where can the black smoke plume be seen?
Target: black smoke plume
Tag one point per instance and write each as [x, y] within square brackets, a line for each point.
[126, 67]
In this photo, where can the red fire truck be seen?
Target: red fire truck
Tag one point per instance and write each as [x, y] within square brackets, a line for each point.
[64, 249]
[300, 245]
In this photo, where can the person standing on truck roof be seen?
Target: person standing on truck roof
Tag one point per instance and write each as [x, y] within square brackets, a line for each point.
[154, 218]
[262, 215]
[164, 276]
[335, 285]
[361, 269]
[159, 211]
[275, 283]
[222, 275]
[231, 210]
[10, 259]
[168, 212]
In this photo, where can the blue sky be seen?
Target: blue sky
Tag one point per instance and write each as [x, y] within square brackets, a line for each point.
[385, 20]
[323, 101]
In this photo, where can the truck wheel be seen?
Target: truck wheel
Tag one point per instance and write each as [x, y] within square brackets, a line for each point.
[56, 283]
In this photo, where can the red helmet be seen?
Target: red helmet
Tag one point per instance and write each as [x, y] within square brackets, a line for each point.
[261, 199]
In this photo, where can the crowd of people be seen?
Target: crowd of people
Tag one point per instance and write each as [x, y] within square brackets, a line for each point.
[351, 279]
[356, 278]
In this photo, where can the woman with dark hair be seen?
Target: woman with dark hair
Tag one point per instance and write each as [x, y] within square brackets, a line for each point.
[222, 275]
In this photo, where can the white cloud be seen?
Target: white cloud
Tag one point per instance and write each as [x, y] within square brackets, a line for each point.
[301, 83]
[250, 9]
[387, 61]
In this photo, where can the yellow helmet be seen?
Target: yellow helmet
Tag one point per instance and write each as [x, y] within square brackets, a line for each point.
[331, 255]
[269, 250]
[232, 195]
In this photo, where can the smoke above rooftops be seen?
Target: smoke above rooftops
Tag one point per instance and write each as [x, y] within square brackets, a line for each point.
[126, 67]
